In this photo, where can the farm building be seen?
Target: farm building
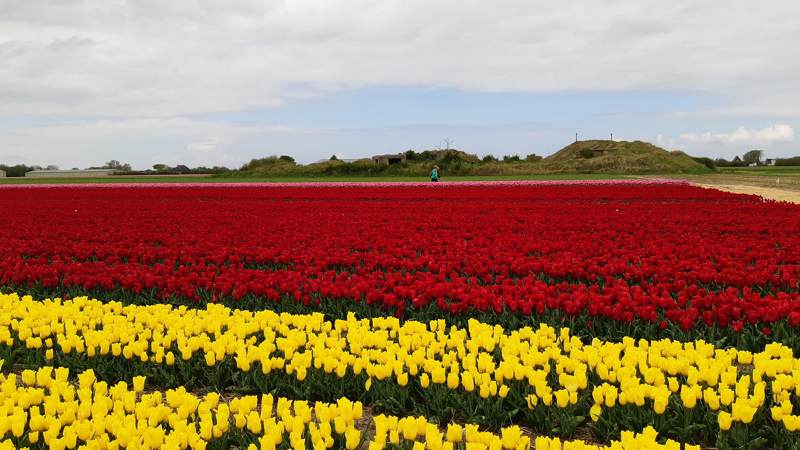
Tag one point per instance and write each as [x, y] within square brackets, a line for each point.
[389, 159]
[86, 173]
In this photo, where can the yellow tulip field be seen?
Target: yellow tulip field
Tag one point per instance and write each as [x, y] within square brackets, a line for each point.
[539, 378]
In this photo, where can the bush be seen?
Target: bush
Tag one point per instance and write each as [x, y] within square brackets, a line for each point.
[411, 155]
[18, 170]
[533, 157]
[708, 162]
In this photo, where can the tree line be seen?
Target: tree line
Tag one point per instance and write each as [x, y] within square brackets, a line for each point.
[19, 170]
[750, 158]
[447, 158]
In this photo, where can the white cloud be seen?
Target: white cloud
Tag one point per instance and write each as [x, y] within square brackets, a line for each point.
[152, 58]
[144, 142]
[774, 133]
[128, 79]
[780, 133]
[193, 142]
[203, 146]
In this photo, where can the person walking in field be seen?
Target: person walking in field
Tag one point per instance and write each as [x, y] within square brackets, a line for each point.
[435, 174]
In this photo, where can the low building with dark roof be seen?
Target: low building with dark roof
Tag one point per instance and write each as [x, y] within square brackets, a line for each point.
[85, 173]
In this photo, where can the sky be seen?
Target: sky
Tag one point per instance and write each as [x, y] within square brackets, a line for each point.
[205, 82]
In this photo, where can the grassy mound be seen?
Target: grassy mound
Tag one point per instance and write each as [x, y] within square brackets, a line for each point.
[619, 157]
[600, 157]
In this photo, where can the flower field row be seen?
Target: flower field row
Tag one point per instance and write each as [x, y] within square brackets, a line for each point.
[648, 257]
[547, 379]
[351, 184]
[391, 315]
[44, 409]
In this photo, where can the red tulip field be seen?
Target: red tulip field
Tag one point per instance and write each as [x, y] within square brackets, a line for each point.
[452, 315]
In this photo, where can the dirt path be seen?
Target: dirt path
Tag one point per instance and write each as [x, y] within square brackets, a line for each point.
[765, 192]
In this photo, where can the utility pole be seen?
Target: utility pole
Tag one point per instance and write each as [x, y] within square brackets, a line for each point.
[576, 137]
[612, 136]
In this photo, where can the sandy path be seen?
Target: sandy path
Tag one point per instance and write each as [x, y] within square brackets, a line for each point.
[765, 192]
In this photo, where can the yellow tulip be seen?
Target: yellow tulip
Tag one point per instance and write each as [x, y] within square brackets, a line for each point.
[562, 398]
[595, 411]
[138, 383]
[352, 438]
[29, 377]
[724, 420]
[424, 381]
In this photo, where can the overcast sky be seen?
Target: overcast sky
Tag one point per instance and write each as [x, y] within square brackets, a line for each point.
[220, 82]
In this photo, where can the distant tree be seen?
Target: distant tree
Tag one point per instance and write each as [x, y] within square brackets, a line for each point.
[722, 162]
[333, 158]
[753, 156]
[52, 167]
[76, 168]
[115, 165]
[446, 143]
[511, 158]
[411, 155]
[489, 158]
[286, 158]
[16, 170]
[737, 161]
[533, 157]
[208, 170]
[160, 167]
[182, 169]
[793, 161]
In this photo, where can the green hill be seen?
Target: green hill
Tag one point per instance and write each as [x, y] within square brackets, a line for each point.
[619, 157]
[602, 157]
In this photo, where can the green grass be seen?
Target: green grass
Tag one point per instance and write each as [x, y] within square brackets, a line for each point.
[729, 172]
[195, 179]
[763, 170]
